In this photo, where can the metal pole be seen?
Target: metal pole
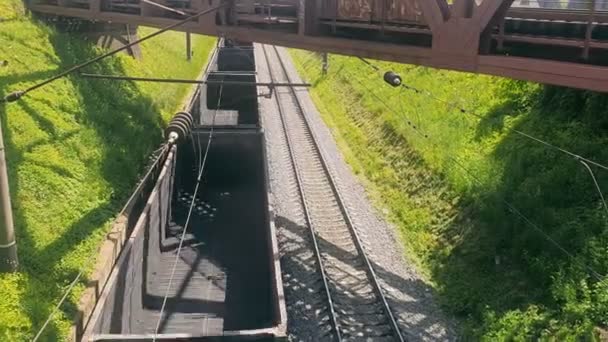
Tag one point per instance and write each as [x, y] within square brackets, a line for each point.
[8, 245]
[179, 80]
[325, 63]
[188, 46]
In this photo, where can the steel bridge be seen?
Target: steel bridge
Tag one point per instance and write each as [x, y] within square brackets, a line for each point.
[561, 42]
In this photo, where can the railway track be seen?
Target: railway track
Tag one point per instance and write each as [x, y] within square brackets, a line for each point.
[357, 307]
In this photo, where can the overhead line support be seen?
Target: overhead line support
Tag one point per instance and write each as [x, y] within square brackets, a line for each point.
[181, 80]
[8, 244]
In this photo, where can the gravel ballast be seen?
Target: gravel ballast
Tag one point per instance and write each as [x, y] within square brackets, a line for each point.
[411, 299]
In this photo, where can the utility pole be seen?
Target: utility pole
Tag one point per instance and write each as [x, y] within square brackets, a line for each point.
[8, 245]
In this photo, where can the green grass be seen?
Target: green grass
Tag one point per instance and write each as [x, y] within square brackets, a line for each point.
[74, 149]
[503, 279]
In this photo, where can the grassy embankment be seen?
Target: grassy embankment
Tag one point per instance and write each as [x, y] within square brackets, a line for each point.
[503, 278]
[74, 149]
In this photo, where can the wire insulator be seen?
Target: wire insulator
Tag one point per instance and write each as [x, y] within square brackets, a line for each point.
[14, 96]
[185, 116]
[179, 128]
[392, 78]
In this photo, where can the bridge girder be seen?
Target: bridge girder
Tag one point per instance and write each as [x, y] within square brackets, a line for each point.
[475, 36]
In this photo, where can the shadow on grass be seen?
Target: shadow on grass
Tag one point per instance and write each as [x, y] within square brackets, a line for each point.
[128, 125]
[493, 122]
[504, 264]
[503, 277]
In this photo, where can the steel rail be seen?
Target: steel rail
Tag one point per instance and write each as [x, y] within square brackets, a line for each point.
[351, 227]
[307, 215]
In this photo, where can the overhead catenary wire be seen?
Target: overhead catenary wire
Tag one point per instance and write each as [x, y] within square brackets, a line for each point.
[181, 241]
[583, 160]
[369, 64]
[519, 132]
[289, 145]
[187, 81]
[597, 186]
[16, 95]
[377, 97]
[529, 222]
[340, 328]
[508, 204]
[56, 308]
[161, 152]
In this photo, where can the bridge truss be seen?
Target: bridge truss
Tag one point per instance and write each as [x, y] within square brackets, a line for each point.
[562, 42]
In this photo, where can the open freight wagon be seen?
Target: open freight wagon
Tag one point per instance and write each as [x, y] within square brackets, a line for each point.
[226, 285]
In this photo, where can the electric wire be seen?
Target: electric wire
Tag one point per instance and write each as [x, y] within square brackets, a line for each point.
[93, 257]
[584, 161]
[516, 211]
[510, 206]
[521, 133]
[181, 241]
[56, 308]
[317, 254]
[20, 93]
[377, 97]
[416, 109]
[186, 81]
[369, 64]
[597, 186]
[161, 152]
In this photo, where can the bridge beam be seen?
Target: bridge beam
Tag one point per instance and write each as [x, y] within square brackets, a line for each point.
[456, 39]
[205, 24]
[463, 8]
[490, 10]
[435, 12]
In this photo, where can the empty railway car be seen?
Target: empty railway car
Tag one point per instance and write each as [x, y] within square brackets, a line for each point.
[224, 284]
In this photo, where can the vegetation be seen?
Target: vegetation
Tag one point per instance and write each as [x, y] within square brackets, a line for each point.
[446, 180]
[74, 150]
